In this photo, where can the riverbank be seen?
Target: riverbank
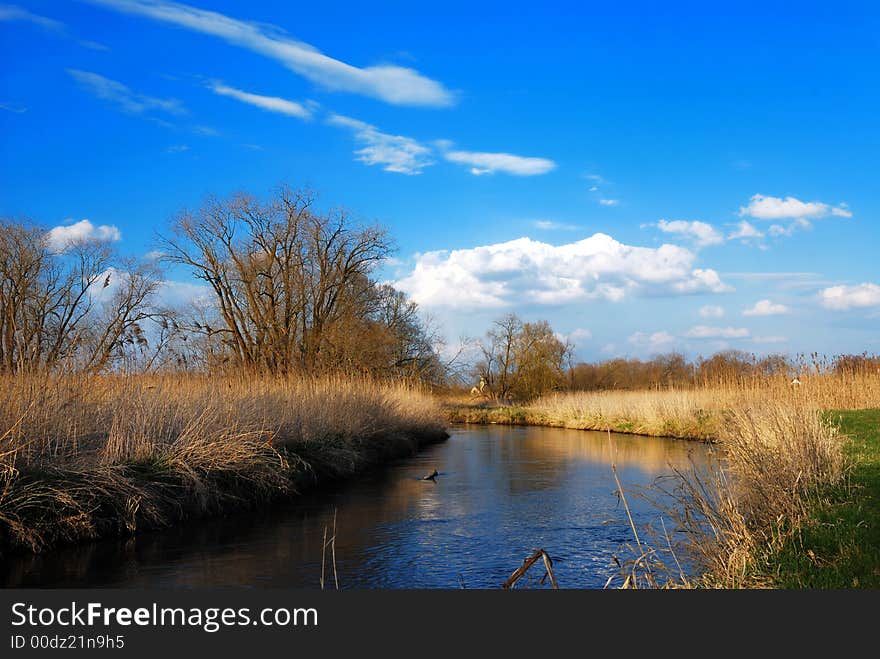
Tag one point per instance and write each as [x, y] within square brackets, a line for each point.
[838, 545]
[698, 413]
[793, 500]
[84, 458]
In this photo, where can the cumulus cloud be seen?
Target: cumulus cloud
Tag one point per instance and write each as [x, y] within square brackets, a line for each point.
[777, 230]
[654, 342]
[507, 163]
[123, 97]
[709, 332]
[526, 271]
[842, 298]
[745, 231]
[762, 207]
[393, 84]
[61, 237]
[270, 103]
[395, 153]
[700, 233]
[609, 202]
[766, 308]
[711, 311]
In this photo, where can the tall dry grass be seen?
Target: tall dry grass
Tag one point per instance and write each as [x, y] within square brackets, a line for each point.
[82, 457]
[697, 413]
[777, 456]
[775, 464]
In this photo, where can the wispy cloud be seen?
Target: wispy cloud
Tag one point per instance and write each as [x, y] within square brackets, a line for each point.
[770, 339]
[393, 84]
[177, 148]
[700, 233]
[609, 202]
[481, 162]
[653, 342]
[709, 332]
[270, 103]
[711, 311]
[10, 107]
[550, 225]
[395, 153]
[766, 308]
[843, 298]
[123, 97]
[62, 237]
[526, 271]
[16, 13]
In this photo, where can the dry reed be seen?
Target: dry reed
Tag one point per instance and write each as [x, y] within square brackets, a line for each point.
[84, 457]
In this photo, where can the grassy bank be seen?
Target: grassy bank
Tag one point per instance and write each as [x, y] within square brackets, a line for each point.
[696, 413]
[838, 545]
[87, 457]
[793, 498]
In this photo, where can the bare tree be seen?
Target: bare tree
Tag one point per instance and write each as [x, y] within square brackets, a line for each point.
[292, 287]
[53, 310]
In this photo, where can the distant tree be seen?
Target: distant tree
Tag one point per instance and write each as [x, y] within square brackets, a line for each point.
[522, 360]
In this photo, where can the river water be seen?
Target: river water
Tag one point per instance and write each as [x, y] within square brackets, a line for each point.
[502, 493]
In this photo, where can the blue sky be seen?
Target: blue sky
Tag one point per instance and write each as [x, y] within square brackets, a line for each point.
[646, 176]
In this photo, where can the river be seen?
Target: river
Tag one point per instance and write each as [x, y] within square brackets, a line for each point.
[502, 492]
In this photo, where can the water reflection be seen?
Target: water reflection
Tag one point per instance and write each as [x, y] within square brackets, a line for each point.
[501, 493]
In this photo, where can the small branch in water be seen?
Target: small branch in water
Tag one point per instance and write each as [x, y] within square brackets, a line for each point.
[531, 560]
[332, 544]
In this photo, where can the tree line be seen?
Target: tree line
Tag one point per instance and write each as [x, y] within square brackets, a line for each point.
[521, 360]
[290, 290]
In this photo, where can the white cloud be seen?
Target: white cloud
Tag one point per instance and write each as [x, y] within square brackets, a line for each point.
[127, 100]
[395, 153]
[709, 332]
[777, 230]
[609, 202]
[177, 148]
[393, 84]
[711, 311]
[182, 293]
[770, 339]
[526, 271]
[61, 237]
[700, 233]
[10, 107]
[15, 13]
[654, 342]
[549, 225]
[766, 308]
[745, 231]
[577, 336]
[842, 298]
[270, 103]
[489, 163]
[762, 207]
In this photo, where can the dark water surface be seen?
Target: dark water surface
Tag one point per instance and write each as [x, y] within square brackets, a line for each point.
[502, 493]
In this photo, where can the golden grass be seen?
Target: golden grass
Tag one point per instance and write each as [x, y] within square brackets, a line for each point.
[83, 457]
[696, 413]
[776, 463]
[777, 456]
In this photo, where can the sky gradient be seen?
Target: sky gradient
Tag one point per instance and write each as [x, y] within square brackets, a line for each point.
[645, 176]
